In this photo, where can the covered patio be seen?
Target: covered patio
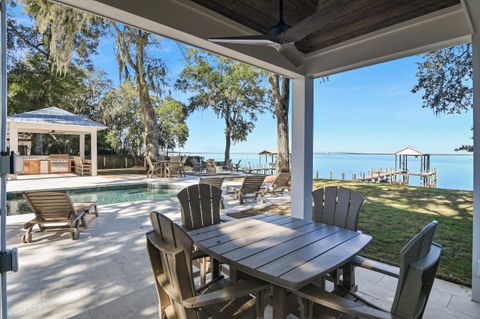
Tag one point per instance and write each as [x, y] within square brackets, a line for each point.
[340, 36]
[345, 35]
[55, 121]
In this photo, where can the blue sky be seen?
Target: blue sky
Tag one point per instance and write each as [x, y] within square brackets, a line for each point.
[365, 110]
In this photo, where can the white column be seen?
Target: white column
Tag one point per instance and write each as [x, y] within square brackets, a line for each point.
[302, 147]
[82, 146]
[13, 138]
[476, 169]
[93, 152]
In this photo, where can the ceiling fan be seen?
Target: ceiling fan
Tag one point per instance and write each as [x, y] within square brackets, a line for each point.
[282, 37]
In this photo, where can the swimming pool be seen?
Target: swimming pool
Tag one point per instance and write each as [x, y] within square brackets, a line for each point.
[102, 195]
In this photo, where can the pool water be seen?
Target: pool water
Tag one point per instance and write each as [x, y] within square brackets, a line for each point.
[102, 195]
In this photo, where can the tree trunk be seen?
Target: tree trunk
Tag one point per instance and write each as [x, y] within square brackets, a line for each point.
[281, 97]
[146, 107]
[228, 137]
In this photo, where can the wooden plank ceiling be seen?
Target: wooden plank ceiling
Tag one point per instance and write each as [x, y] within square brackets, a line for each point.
[342, 19]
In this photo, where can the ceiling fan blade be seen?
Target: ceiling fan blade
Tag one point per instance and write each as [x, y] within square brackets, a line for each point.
[292, 54]
[305, 27]
[249, 39]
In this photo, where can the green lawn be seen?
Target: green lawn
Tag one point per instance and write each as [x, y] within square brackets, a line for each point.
[392, 214]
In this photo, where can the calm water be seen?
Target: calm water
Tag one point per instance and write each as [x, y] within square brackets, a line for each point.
[101, 195]
[454, 171]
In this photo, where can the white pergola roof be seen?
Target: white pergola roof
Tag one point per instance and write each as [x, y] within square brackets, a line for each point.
[53, 119]
[410, 151]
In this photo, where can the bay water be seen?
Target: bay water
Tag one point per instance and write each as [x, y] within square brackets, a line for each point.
[454, 171]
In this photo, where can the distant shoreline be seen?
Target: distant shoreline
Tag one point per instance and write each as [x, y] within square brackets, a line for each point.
[332, 153]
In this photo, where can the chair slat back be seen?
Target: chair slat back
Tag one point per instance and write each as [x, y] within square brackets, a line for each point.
[337, 206]
[149, 162]
[419, 261]
[252, 184]
[170, 251]
[212, 181]
[200, 205]
[77, 161]
[50, 206]
[281, 180]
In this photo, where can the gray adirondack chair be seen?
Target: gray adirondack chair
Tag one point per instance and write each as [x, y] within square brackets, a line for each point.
[338, 206]
[250, 188]
[215, 182]
[200, 207]
[419, 261]
[170, 250]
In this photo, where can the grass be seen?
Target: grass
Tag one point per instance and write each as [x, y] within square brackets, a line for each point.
[392, 214]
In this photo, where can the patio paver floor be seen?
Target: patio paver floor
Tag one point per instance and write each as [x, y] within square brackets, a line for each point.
[106, 273]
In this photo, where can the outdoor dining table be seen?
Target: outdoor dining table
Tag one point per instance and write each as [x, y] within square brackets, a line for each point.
[287, 252]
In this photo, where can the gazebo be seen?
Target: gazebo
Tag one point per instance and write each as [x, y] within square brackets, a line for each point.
[53, 120]
[401, 159]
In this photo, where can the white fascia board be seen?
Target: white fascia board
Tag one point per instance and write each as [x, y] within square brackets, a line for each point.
[472, 13]
[190, 23]
[444, 28]
[48, 127]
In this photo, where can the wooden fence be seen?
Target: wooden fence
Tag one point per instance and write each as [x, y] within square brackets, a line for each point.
[119, 161]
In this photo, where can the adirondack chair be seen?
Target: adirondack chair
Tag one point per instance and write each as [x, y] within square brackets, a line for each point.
[198, 166]
[250, 188]
[214, 182]
[175, 167]
[200, 204]
[170, 250]
[338, 206]
[55, 211]
[153, 169]
[278, 185]
[81, 168]
[211, 166]
[419, 261]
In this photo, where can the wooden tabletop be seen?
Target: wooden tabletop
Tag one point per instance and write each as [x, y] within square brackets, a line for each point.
[282, 250]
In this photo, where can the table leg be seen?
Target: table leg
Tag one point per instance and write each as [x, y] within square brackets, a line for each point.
[348, 277]
[279, 301]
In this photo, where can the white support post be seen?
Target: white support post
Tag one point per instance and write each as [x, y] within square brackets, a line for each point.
[82, 146]
[302, 147]
[476, 169]
[13, 138]
[93, 152]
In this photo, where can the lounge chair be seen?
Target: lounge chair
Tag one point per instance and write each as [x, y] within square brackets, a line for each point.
[170, 250]
[278, 185]
[55, 211]
[250, 188]
[419, 261]
[81, 167]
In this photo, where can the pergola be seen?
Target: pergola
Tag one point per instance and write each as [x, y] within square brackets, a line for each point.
[350, 34]
[53, 120]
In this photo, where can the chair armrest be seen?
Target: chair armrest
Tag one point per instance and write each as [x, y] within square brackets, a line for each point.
[226, 218]
[245, 288]
[197, 254]
[376, 266]
[341, 304]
